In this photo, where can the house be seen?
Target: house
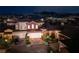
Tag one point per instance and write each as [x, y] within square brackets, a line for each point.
[10, 23]
[25, 25]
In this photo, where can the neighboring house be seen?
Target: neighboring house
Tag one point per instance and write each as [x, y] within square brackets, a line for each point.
[10, 23]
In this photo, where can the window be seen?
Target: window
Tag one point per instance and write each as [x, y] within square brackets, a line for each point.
[36, 26]
[28, 26]
[32, 26]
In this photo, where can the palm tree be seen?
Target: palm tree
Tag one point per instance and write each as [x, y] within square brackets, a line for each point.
[27, 39]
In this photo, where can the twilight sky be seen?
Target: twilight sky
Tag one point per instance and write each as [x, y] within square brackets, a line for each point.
[31, 9]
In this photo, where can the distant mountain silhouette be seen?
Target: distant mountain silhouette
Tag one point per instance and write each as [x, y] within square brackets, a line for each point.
[54, 14]
[38, 15]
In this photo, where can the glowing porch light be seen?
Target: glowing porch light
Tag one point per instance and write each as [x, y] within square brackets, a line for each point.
[57, 34]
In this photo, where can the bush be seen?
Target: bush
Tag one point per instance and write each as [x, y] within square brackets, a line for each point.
[4, 44]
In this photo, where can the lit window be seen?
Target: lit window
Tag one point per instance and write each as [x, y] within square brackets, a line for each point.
[36, 26]
[32, 26]
[28, 26]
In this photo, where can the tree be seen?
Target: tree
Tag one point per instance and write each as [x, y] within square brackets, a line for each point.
[51, 42]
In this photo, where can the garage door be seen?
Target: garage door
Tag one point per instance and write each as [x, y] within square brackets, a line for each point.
[35, 35]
